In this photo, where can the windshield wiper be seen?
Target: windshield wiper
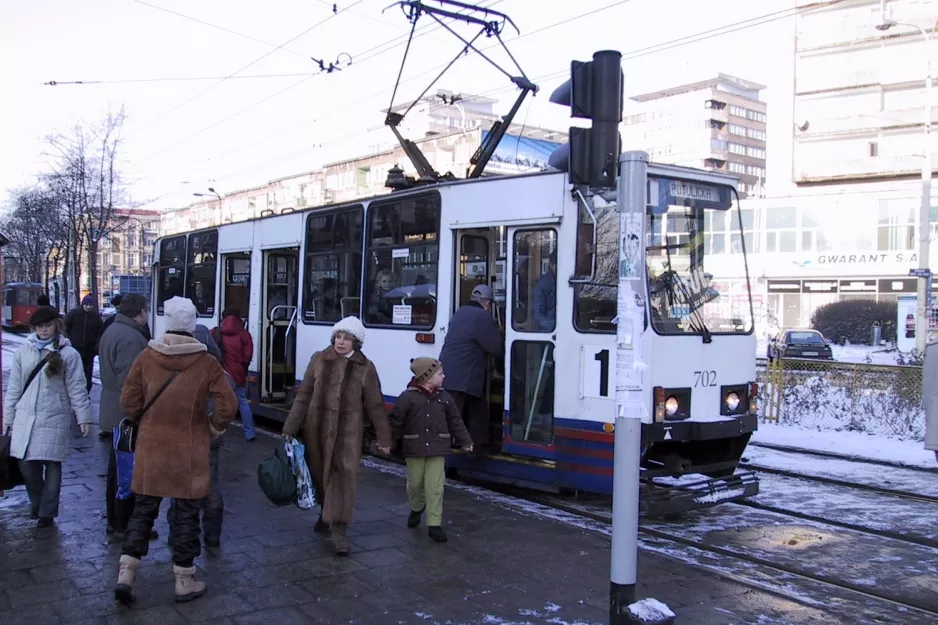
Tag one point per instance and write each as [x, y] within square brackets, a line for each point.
[694, 304]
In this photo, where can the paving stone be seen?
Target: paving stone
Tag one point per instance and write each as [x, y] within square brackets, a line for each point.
[500, 565]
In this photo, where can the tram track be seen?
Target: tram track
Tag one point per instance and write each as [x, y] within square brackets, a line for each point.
[782, 569]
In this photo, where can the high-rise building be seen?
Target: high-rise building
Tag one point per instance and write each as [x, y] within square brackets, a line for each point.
[716, 124]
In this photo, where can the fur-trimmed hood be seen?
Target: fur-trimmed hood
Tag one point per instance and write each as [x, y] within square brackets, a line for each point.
[177, 352]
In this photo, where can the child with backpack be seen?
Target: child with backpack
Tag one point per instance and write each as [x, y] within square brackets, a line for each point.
[427, 419]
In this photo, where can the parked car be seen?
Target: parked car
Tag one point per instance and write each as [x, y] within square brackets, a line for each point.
[798, 343]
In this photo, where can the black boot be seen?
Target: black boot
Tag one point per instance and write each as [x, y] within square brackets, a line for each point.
[321, 526]
[436, 533]
[414, 519]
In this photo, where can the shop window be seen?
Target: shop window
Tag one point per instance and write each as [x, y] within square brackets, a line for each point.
[534, 307]
[532, 392]
[201, 267]
[172, 270]
[333, 266]
[403, 256]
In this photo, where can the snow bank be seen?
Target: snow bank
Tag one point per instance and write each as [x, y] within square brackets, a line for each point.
[855, 444]
[650, 610]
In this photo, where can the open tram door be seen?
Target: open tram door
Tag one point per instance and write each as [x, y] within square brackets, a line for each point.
[278, 326]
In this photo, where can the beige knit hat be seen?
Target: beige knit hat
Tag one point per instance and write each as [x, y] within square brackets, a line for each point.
[424, 368]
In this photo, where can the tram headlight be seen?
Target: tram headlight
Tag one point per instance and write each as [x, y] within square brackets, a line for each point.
[671, 405]
[732, 402]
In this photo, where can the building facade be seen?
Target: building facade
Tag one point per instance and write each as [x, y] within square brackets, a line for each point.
[717, 124]
[447, 127]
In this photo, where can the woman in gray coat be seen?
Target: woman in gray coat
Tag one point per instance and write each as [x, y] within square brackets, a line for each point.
[38, 411]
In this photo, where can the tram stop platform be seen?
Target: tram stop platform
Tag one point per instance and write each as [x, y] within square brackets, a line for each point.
[504, 563]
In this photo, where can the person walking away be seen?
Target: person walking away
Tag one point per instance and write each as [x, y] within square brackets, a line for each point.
[166, 393]
[43, 300]
[427, 418]
[83, 326]
[339, 391]
[120, 345]
[237, 348]
[213, 505]
[204, 336]
[46, 386]
[473, 336]
[116, 303]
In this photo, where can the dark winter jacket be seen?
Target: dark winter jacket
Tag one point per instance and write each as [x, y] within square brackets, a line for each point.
[428, 421]
[203, 336]
[84, 329]
[237, 349]
[120, 345]
[472, 336]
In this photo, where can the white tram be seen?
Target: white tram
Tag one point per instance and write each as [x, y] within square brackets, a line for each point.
[405, 262]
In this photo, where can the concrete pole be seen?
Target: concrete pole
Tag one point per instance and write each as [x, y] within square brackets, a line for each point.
[631, 201]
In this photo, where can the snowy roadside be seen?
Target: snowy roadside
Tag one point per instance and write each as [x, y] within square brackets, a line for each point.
[849, 444]
[882, 355]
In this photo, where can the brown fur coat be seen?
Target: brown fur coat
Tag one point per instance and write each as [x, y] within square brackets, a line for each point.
[172, 454]
[336, 396]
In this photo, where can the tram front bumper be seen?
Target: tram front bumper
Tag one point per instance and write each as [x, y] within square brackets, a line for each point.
[726, 427]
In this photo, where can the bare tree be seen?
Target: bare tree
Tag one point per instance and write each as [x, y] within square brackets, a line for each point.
[85, 166]
[25, 225]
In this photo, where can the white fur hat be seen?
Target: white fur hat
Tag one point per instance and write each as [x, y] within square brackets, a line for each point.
[179, 314]
[350, 325]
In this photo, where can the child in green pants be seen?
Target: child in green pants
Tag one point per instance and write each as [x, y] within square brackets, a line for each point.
[427, 418]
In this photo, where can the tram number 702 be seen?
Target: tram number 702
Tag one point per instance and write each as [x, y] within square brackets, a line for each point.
[705, 378]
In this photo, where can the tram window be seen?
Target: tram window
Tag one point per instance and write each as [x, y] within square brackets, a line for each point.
[201, 267]
[333, 265]
[534, 307]
[594, 303]
[172, 269]
[532, 392]
[403, 255]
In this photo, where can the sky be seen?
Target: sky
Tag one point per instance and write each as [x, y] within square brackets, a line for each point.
[243, 127]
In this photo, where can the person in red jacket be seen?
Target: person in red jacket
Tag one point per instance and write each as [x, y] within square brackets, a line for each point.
[237, 349]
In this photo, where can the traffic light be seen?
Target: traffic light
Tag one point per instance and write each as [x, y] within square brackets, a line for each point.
[595, 91]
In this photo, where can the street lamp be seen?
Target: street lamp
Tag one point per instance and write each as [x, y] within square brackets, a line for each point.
[215, 193]
[924, 214]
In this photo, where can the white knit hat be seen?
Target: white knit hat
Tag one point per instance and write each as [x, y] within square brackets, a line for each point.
[350, 325]
[179, 314]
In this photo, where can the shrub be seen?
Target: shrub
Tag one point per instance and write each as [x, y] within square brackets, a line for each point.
[854, 318]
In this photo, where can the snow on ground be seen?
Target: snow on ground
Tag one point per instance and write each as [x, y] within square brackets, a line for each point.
[853, 444]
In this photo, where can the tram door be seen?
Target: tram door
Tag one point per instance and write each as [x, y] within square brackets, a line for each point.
[278, 328]
[530, 337]
[481, 260]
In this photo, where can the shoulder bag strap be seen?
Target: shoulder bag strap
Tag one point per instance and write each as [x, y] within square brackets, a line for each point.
[150, 403]
[35, 372]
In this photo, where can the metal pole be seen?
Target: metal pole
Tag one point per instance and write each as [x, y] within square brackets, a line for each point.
[924, 217]
[630, 396]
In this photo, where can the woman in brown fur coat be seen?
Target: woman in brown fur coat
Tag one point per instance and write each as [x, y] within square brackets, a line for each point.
[340, 389]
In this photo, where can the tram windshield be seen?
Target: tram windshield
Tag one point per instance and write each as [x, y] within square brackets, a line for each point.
[684, 296]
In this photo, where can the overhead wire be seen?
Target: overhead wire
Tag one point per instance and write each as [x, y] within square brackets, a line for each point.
[259, 102]
[254, 62]
[637, 53]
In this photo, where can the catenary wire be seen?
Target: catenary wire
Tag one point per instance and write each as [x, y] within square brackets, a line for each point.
[668, 45]
[253, 105]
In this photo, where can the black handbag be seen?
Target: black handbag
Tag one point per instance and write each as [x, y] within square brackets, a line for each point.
[126, 437]
[10, 476]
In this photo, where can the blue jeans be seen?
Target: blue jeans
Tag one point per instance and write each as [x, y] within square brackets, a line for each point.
[43, 490]
[247, 417]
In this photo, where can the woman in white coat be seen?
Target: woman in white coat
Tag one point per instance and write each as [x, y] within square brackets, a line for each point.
[39, 412]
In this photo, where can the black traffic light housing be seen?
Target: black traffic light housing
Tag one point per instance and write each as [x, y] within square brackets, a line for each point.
[595, 91]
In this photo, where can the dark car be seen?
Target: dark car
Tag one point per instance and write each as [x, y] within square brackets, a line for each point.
[799, 344]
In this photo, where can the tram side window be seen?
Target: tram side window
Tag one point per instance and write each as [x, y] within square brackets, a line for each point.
[201, 267]
[333, 266]
[535, 276]
[172, 268]
[594, 302]
[403, 254]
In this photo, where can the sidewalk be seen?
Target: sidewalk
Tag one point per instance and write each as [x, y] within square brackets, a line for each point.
[501, 565]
